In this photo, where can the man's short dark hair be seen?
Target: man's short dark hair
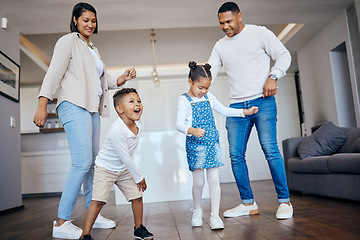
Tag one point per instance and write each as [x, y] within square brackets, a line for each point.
[122, 92]
[229, 6]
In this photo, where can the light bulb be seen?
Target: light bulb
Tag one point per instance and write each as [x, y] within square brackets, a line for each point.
[157, 83]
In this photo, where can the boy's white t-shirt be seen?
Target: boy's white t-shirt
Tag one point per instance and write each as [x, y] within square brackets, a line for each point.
[184, 112]
[118, 148]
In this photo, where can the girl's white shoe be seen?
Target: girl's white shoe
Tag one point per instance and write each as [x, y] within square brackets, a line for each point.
[216, 222]
[196, 220]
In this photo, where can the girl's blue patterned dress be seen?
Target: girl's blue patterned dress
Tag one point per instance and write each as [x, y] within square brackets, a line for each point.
[204, 152]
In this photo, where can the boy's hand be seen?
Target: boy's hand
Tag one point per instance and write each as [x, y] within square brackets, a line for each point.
[251, 111]
[197, 132]
[142, 185]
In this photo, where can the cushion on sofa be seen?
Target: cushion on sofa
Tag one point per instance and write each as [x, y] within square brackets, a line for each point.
[309, 165]
[345, 163]
[327, 140]
[356, 146]
[353, 134]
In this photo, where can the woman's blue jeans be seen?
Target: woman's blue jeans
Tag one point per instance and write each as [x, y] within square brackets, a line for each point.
[239, 129]
[82, 129]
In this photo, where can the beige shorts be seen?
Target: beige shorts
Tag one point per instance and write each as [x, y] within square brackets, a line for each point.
[104, 179]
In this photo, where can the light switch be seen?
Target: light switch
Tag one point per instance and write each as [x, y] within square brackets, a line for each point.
[12, 121]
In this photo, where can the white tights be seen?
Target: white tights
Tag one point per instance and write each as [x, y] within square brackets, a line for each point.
[214, 187]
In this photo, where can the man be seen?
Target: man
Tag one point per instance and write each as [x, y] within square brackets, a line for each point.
[245, 54]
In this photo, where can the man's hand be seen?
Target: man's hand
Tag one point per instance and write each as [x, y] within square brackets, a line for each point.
[270, 88]
[142, 185]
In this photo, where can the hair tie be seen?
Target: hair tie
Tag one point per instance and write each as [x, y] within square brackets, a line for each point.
[207, 65]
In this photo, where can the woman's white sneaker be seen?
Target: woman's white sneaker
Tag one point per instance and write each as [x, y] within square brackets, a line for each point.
[216, 222]
[242, 210]
[196, 220]
[67, 230]
[284, 211]
[102, 222]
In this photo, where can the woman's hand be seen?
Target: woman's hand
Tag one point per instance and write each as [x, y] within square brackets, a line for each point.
[41, 112]
[142, 185]
[128, 75]
[197, 132]
[251, 111]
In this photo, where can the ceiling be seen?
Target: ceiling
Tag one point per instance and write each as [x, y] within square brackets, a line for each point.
[47, 16]
[33, 17]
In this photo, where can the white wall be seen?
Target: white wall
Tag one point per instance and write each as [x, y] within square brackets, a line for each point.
[316, 75]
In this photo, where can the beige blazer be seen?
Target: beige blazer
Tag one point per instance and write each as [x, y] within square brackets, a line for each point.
[73, 70]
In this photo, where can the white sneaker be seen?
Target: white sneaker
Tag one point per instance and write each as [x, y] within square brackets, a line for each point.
[284, 211]
[242, 210]
[216, 222]
[102, 222]
[196, 220]
[67, 230]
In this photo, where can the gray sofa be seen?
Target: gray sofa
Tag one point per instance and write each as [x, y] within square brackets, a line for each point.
[333, 175]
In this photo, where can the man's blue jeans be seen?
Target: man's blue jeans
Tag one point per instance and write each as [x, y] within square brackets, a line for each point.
[238, 135]
[82, 129]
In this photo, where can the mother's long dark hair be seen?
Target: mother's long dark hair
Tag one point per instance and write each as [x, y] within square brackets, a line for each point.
[77, 11]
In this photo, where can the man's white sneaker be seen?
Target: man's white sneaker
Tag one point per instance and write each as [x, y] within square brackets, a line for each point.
[102, 222]
[242, 210]
[216, 222]
[284, 211]
[67, 230]
[196, 220]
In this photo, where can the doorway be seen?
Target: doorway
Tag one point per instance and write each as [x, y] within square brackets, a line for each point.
[342, 86]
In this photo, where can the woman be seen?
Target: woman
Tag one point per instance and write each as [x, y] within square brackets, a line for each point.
[76, 67]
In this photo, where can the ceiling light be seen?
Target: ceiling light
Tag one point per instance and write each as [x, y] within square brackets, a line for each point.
[154, 73]
[289, 31]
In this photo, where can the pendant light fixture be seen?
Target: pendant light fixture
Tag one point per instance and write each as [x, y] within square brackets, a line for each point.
[154, 73]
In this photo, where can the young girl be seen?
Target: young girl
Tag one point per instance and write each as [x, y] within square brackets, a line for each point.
[195, 119]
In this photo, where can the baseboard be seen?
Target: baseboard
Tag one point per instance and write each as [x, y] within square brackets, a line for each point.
[41, 195]
[3, 212]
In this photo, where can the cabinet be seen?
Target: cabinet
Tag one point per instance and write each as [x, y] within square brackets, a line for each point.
[53, 123]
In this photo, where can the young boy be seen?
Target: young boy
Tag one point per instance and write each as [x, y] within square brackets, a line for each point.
[114, 164]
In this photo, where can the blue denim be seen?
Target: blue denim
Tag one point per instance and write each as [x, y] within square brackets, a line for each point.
[238, 135]
[82, 129]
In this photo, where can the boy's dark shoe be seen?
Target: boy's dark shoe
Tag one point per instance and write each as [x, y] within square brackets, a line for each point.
[142, 233]
[86, 237]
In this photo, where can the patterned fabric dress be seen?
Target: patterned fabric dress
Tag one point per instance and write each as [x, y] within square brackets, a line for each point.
[204, 152]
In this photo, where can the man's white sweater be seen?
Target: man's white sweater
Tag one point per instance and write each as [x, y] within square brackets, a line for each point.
[246, 60]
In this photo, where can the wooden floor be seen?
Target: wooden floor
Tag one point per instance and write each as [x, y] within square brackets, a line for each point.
[314, 218]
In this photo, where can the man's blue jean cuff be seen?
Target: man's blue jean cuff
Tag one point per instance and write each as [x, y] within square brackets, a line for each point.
[247, 201]
[285, 200]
